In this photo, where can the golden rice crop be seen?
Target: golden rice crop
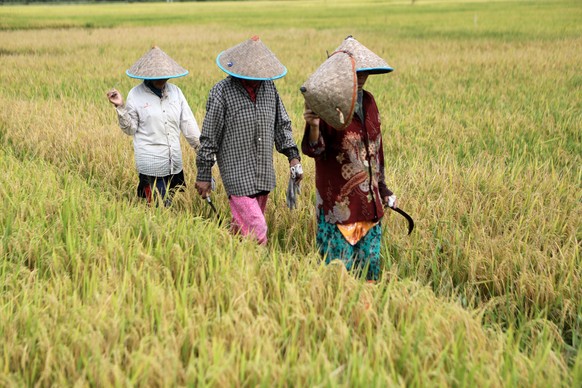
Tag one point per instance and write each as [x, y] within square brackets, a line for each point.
[482, 130]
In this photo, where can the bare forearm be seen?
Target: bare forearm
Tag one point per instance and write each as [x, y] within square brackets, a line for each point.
[313, 134]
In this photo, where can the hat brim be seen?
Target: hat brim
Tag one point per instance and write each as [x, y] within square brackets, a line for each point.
[156, 77]
[375, 70]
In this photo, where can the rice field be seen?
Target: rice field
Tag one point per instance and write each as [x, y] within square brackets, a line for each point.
[482, 124]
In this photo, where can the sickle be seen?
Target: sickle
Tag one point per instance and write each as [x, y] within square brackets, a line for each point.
[408, 218]
[209, 201]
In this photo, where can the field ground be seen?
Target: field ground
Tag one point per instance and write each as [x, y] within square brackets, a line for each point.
[482, 122]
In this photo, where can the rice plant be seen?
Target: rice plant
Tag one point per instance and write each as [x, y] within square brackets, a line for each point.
[482, 123]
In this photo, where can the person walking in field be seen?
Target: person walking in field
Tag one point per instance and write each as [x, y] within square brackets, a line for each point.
[349, 166]
[245, 118]
[155, 114]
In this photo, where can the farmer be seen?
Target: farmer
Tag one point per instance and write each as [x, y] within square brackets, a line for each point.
[349, 168]
[245, 118]
[155, 113]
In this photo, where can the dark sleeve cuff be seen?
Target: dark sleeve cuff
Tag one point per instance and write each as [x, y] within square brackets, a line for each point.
[291, 153]
[384, 190]
[204, 173]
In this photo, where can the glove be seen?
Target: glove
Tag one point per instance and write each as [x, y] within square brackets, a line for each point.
[294, 186]
[296, 170]
[391, 201]
[293, 190]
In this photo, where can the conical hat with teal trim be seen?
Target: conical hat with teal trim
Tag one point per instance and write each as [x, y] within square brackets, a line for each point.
[366, 60]
[156, 64]
[331, 91]
[251, 60]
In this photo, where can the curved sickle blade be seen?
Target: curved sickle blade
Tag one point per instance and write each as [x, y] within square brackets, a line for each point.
[408, 218]
[209, 201]
[219, 218]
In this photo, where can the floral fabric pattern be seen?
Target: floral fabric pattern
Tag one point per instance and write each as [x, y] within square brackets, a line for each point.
[349, 168]
[362, 258]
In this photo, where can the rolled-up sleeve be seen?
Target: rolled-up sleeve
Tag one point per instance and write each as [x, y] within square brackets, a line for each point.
[128, 118]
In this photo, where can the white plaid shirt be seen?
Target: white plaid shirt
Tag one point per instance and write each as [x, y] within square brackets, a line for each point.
[155, 124]
[242, 133]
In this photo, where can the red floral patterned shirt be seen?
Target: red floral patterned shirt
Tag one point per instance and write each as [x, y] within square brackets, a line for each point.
[349, 168]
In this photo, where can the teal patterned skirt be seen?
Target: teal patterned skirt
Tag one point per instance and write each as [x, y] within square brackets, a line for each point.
[363, 258]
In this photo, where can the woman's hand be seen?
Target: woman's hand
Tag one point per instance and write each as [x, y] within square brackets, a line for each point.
[390, 201]
[115, 97]
[311, 118]
[204, 188]
[296, 170]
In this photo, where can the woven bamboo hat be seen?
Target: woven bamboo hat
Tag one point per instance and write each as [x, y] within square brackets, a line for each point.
[156, 64]
[366, 60]
[251, 60]
[331, 91]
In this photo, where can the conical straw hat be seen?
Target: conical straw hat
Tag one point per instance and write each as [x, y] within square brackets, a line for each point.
[251, 60]
[366, 60]
[331, 91]
[156, 64]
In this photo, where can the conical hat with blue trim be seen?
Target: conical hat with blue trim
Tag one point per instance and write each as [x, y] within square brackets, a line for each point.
[251, 60]
[331, 91]
[366, 60]
[156, 64]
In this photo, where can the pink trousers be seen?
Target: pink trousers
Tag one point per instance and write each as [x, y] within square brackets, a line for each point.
[248, 216]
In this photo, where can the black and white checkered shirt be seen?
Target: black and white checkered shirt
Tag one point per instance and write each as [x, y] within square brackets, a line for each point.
[241, 133]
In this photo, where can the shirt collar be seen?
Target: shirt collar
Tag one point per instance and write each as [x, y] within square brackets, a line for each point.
[158, 92]
[245, 89]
